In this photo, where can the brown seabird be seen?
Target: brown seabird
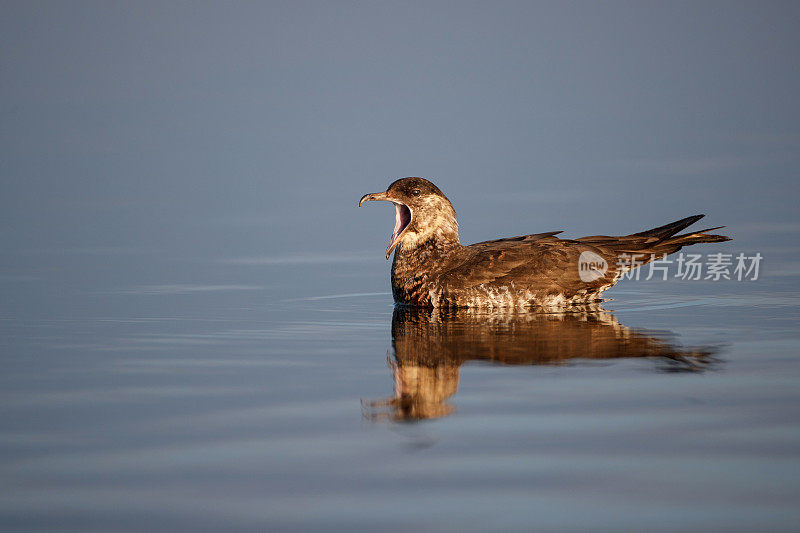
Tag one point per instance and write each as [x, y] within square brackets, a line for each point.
[432, 268]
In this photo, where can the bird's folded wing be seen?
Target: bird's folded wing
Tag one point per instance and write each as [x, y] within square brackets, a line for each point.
[541, 262]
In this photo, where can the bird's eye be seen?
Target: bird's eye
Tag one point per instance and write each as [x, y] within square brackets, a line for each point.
[415, 192]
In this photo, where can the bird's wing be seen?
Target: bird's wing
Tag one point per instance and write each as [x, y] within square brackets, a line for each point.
[540, 262]
[544, 262]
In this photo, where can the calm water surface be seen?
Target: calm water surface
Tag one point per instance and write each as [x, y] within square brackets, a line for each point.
[196, 330]
[289, 397]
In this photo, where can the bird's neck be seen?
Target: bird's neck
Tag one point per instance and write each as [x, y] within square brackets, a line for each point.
[416, 256]
[425, 251]
[433, 248]
[434, 230]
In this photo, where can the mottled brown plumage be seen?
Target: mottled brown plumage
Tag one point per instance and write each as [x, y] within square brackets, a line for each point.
[432, 268]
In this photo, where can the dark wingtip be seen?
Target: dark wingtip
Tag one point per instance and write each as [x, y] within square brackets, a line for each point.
[708, 229]
[668, 230]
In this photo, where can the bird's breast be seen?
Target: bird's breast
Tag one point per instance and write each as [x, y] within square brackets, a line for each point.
[413, 287]
[417, 276]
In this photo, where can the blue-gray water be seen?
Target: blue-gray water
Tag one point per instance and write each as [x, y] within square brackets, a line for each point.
[195, 319]
[260, 403]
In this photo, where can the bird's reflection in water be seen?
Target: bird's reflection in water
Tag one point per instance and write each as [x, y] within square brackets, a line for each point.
[430, 345]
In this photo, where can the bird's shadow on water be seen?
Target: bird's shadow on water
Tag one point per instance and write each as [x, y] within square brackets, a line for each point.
[430, 345]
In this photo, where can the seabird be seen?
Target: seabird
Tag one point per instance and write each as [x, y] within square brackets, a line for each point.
[431, 267]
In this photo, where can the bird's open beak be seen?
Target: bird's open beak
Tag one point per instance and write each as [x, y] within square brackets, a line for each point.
[402, 217]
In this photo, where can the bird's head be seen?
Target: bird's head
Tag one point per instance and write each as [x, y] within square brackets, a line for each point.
[422, 213]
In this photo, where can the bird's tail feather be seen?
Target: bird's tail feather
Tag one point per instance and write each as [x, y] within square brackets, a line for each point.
[673, 244]
[663, 240]
[657, 242]
[668, 230]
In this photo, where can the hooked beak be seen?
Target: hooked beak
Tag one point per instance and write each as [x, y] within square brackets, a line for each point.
[374, 196]
[401, 221]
